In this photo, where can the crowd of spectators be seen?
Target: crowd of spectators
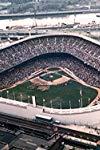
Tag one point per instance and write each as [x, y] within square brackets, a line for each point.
[84, 50]
[23, 71]
[88, 52]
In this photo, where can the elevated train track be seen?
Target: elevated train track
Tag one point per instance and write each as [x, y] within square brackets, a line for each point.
[47, 129]
[32, 126]
[25, 124]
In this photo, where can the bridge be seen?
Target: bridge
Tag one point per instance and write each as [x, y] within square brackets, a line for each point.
[53, 13]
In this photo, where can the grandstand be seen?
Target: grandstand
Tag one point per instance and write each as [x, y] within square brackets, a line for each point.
[53, 87]
[20, 72]
[83, 49]
[26, 58]
[77, 53]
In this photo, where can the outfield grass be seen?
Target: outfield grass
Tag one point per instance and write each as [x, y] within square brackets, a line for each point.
[53, 69]
[62, 96]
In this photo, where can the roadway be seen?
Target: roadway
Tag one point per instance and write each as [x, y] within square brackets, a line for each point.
[91, 118]
[22, 33]
[43, 29]
[53, 13]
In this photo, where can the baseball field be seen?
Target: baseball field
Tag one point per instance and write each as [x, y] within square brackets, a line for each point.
[55, 88]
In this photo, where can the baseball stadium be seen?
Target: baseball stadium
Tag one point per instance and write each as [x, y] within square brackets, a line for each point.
[62, 71]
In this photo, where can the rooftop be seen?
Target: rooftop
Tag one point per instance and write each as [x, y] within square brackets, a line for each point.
[31, 142]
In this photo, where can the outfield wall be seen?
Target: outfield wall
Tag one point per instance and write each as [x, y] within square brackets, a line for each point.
[83, 116]
[72, 111]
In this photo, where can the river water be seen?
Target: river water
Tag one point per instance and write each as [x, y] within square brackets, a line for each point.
[52, 21]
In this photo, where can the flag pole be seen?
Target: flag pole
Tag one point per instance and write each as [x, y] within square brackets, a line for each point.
[70, 106]
[51, 105]
[81, 94]
[7, 94]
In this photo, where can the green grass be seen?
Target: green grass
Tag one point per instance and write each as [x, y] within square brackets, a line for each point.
[51, 76]
[63, 96]
[53, 69]
[64, 74]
